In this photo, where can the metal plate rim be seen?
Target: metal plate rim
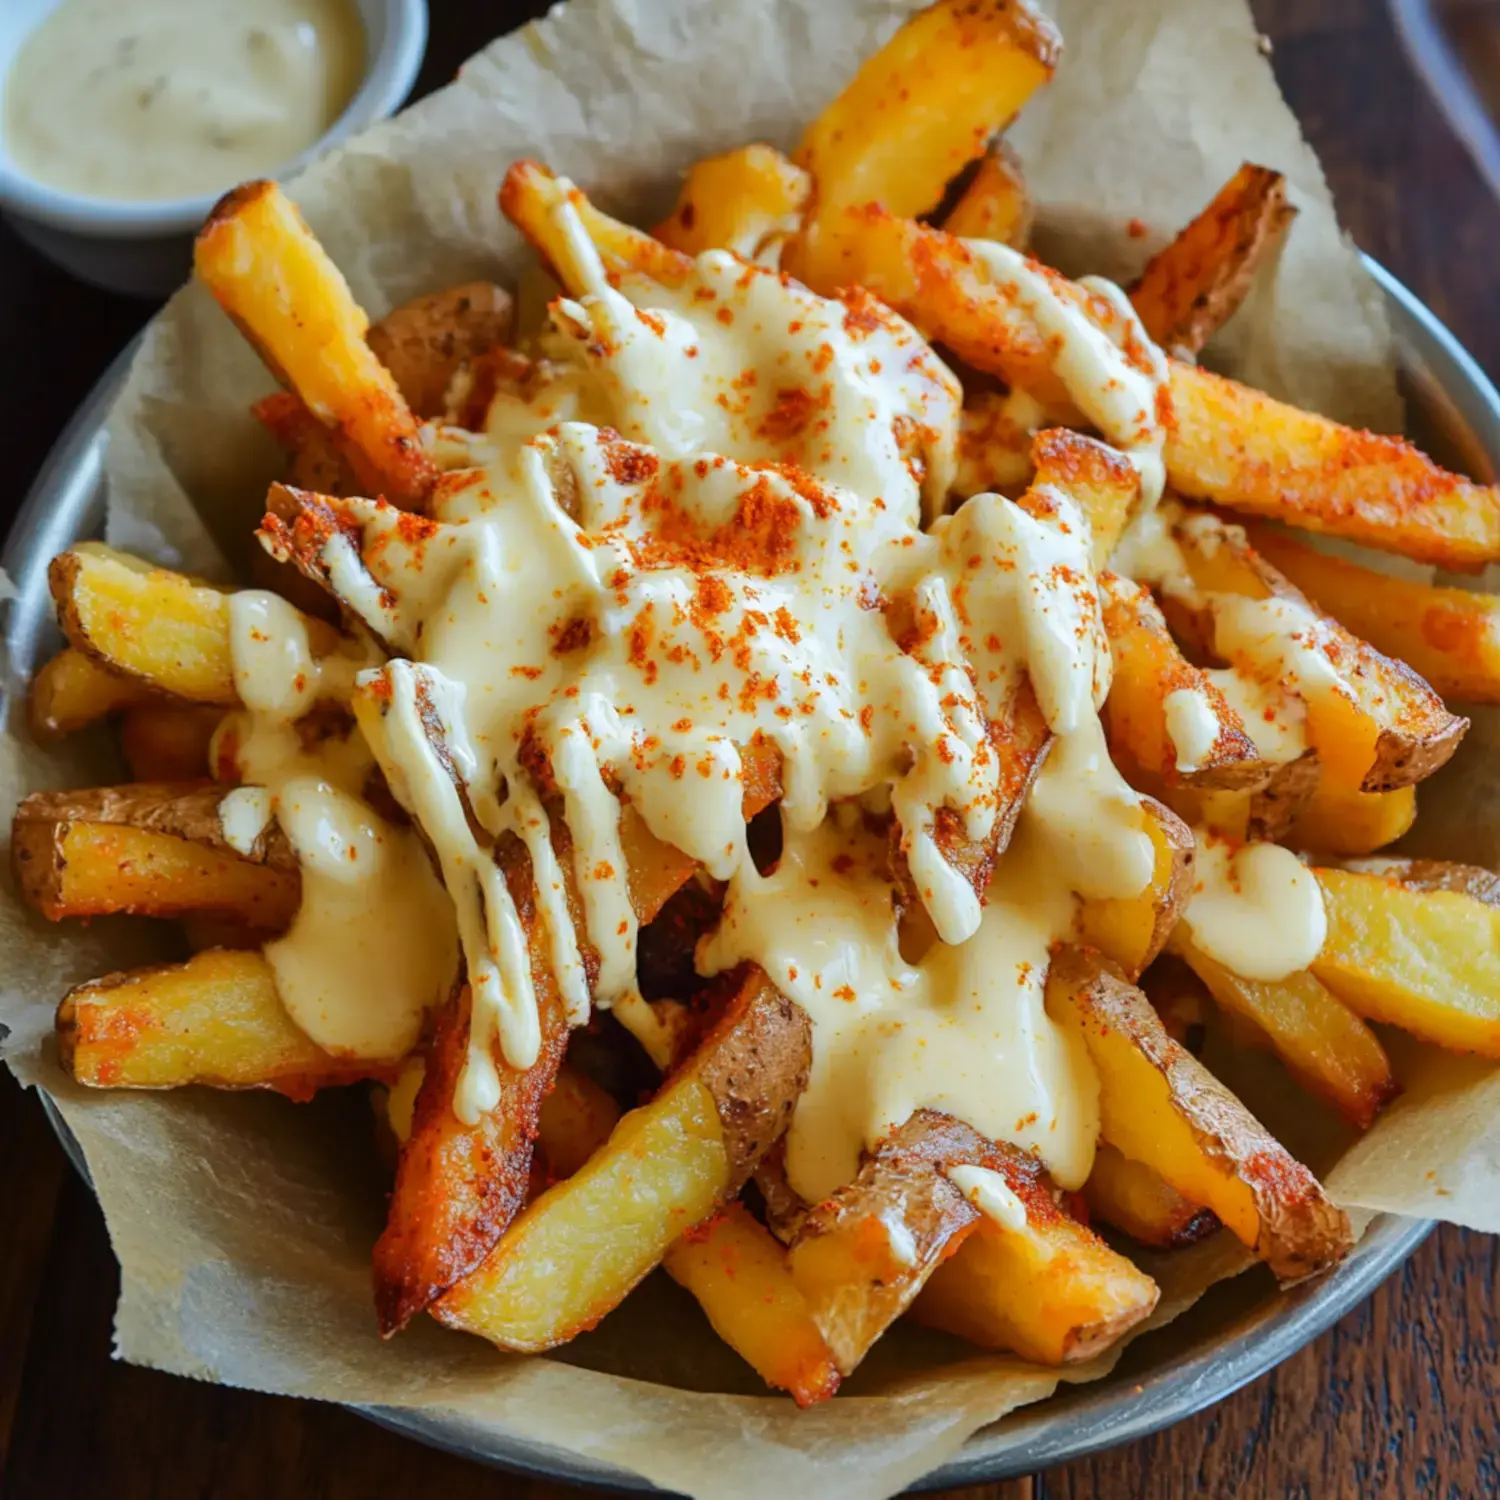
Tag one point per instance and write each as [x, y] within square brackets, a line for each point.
[65, 502]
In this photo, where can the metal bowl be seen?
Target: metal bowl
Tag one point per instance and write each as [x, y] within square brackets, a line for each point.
[1241, 1329]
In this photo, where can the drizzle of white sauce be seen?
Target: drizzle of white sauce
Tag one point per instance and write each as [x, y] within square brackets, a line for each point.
[991, 1194]
[1192, 726]
[244, 815]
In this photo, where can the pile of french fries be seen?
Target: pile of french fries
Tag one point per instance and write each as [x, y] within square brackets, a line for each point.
[529, 1224]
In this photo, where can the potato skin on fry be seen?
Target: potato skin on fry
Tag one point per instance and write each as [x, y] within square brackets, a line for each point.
[576, 1252]
[1160, 1105]
[1195, 284]
[71, 690]
[425, 342]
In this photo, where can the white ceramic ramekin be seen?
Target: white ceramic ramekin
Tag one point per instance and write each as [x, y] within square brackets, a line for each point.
[144, 248]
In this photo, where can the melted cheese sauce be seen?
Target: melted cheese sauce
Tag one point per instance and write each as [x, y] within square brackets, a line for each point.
[152, 99]
[700, 534]
[1192, 726]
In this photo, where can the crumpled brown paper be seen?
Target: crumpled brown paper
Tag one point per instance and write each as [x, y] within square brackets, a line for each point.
[243, 1224]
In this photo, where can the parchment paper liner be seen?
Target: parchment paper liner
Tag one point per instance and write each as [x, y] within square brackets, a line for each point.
[243, 1224]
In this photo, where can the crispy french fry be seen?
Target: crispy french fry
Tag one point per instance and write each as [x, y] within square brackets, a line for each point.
[575, 1253]
[269, 273]
[1104, 484]
[1450, 636]
[1414, 955]
[737, 1271]
[1335, 820]
[1137, 1200]
[749, 200]
[215, 1020]
[168, 741]
[996, 205]
[1326, 1047]
[318, 454]
[1130, 931]
[532, 197]
[154, 850]
[71, 690]
[1039, 1284]
[1159, 1105]
[1237, 447]
[1194, 285]
[1226, 443]
[1374, 723]
[424, 343]
[1144, 718]
[864, 1253]
[157, 627]
[923, 107]
[575, 1120]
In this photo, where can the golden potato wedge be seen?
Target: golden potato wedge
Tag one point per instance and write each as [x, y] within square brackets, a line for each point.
[1197, 738]
[575, 1252]
[737, 1271]
[1374, 723]
[1414, 955]
[1038, 1284]
[154, 850]
[1237, 447]
[257, 256]
[215, 1020]
[996, 204]
[1325, 1046]
[424, 343]
[1137, 1200]
[1194, 285]
[1159, 1105]
[1131, 930]
[575, 1120]
[1450, 636]
[922, 108]
[1336, 820]
[168, 741]
[157, 627]
[1433, 875]
[749, 201]
[71, 690]
[864, 1253]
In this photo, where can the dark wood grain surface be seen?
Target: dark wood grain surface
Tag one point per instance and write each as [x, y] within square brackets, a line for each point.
[1402, 1398]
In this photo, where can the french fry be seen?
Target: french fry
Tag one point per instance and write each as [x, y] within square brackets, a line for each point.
[749, 201]
[1325, 1046]
[157, 627]
[737, 1271]
[531, 196]
[424, 343]
[574, 1121]
[1414, 955]
[1137, 1200]
[996, 205]
[168, 741]
[1040, 1285]
[922, 108]
[864, 1253]
[214, 1020]
[1226, 443]
[1336, 820]
[575, 1252]
[154, 850]
[1374, 723]
[1237, 447]
[71, 690]
[1450, 636]
[1130, 931]
[318, 454]
[269, 273]
[1195, 284]
[1104, 484]
[1159, 1105]
[1149, 669]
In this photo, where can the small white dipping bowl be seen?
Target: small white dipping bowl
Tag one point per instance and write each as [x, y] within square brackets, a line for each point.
[145, 248]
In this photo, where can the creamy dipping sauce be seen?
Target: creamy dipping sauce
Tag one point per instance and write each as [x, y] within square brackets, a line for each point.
[157, 99]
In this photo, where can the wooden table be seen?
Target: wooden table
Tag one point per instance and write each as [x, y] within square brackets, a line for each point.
[1401, 1398]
